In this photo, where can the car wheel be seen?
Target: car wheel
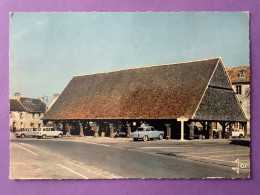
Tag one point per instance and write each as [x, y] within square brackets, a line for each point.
[59, 136]
[240, 136]
[22, 136]
[145, 138]
[160, 136]
[43, 136]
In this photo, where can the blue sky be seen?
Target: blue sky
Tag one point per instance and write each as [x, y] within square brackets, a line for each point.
[48, 49]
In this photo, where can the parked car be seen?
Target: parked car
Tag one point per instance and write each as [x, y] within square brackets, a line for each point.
[27, 132]
[147, 132]
[237, 133]
[44, 132]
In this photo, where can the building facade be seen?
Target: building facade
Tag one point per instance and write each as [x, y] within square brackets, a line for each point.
[240, 79]
[26, 112]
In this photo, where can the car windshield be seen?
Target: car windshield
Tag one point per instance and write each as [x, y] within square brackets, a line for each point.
[140, 129]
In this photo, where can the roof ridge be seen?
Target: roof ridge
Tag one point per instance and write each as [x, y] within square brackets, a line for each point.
[147, 66]
[31, 98]
[236, 66]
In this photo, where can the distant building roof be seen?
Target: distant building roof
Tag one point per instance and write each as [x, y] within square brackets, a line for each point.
[16, 105]
[156, 92]
[239, 74]
[23, 104]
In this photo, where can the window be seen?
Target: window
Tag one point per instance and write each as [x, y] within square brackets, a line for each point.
[238, 89]
[241, 74]
[52, 129]
[153, 129]
[21, 115]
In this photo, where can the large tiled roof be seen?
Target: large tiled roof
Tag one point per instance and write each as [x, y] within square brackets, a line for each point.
[156, 92]
[233, 73]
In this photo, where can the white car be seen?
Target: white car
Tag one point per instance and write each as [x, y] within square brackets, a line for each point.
[44, 132]
[29, 132]
[237, 133]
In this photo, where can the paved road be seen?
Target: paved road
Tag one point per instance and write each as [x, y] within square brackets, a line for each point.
[111, 158]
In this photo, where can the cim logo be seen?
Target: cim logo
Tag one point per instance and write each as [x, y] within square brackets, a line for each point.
[239, 165]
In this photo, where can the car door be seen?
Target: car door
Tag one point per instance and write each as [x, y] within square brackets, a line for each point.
[53, 132]
[154, 132]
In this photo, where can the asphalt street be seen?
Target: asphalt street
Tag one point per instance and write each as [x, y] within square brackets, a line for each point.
[88, 158]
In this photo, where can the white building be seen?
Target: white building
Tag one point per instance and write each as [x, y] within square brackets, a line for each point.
[240, 79]
[26, 112]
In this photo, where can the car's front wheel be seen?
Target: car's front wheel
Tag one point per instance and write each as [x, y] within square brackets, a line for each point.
[22, 136]
[160, 136]
[43, 136]
[60, 136]
[240, 136]
[145, 138]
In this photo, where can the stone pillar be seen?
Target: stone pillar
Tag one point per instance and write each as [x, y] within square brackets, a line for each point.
[245, 129]
[210, 130]
[168, 131]
[111, 127]
[182, 119]
[68, 129]
[128, 129]
[96, 130]
[230, 129]
[81, 133]
[191, 130]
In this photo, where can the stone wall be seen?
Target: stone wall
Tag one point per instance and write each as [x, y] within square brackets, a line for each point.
[25, 120]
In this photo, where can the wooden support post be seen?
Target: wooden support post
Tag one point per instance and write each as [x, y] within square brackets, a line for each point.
[191, 126]
[128, 129]
[230, 129]
[168, 132]
[111, 127]
[68, 127]
[54, 125]
[96, 130]
[81, 134]
[223, 124]
[210, 126]
[245, 129]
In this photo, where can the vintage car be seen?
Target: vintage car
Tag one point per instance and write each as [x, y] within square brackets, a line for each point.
[237, 133]
[44, 132]
[147, 132]
[27, 132]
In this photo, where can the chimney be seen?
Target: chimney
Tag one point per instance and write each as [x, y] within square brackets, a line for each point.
[16, 95]
[41, 98]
